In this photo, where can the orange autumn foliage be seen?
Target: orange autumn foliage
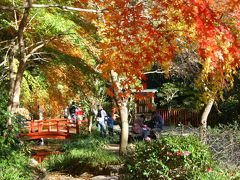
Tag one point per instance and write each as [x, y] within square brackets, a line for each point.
[66, 48]
[133, 35]
[138, 34]
[64, 83]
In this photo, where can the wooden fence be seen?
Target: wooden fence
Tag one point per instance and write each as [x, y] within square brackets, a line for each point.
[183, 116]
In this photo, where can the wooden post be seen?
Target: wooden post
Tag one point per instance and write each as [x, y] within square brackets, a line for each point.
[67, 125]
[77, 127]
[38, 126]
[57, 126]
[32, 126]
[29, 127]
[49, 126]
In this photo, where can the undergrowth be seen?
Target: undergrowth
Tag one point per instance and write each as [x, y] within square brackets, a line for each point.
[83, 153]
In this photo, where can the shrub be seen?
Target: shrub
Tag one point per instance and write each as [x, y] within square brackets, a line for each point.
[15, 166]
[171, 157]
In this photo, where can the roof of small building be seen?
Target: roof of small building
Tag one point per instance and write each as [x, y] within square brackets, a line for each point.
[145, 90]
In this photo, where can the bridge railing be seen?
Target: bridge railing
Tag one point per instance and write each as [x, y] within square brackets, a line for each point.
[53, 126]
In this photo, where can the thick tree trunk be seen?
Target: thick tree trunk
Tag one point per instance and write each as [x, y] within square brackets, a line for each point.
[124, 132]
[203, 128]
[15, 100]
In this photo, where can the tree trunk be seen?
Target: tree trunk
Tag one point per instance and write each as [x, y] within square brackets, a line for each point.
[90, 122]
[11, 65]
[12, 75]
[203, 128]
[15, 88]
[15, 100]
[171, 123]
[124, 132]
[122, 103]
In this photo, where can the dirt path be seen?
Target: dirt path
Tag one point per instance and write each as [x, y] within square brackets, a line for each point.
[84, 176]
[59, 176]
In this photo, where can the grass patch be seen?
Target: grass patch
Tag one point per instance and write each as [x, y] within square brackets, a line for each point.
[83, 153]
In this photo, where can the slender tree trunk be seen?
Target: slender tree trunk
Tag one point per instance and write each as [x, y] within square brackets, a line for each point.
[12, 74]
[171, 123]
[122, 103]
[203, 128]
[124, 132]
[90, 122]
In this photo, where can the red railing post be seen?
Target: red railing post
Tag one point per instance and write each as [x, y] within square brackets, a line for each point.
[49, 126]
[67, 124]
[77, 127]
[32, 126]
[58, 126]
[38, 127]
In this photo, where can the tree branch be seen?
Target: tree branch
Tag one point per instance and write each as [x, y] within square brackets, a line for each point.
[156, 71]
[41, 44]
[9, 8]
[40, 59]
[35, 49]
[66, 8]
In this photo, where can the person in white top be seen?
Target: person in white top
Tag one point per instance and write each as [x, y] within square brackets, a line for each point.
[101, 115]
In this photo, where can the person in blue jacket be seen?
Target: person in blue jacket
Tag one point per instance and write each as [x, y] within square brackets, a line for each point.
[110, 124]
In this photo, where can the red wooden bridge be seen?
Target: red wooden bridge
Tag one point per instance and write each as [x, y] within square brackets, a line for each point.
[51, 128]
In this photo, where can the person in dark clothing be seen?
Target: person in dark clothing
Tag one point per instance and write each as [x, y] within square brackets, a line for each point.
[110, 123]
[157, 122]
[137, 125]
[72, 111]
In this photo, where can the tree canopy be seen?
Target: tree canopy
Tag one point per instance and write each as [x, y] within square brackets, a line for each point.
[73, 44]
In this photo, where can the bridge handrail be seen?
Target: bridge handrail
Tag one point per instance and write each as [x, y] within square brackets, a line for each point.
[57, 125]
[60, 124]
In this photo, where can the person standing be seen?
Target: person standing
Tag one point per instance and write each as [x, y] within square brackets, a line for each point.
[79, 113]
[66, 112]
[101, 121]
[72, 111]
[157, 122]
[92, 116]
[41, 111]
[110, 124]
